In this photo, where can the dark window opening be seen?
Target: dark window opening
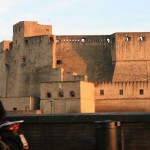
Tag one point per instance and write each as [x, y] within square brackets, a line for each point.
[61, 94]
[16, 41]
[127, 38]
[101, 92]
[121, 92]
[72, 93]
[141, 38]
[141, 91]
[59, 62]
[49, 94]
[51, 39]
[19, 29]
[26, 42]
[24, 59]
[14, 109]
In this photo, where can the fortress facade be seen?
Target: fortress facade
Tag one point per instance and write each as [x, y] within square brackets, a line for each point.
[78, 73]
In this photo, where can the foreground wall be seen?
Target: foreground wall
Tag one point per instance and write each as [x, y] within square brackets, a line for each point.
[57, 132]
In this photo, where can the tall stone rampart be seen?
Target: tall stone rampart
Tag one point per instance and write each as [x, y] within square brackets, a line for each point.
[89, 55]
[131, 56]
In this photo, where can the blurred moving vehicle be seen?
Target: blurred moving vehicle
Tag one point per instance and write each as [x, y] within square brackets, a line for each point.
[11, 137]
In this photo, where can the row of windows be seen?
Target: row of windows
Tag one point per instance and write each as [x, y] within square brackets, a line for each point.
[121, 92]
[140, 38]
[61, 94]
[83, 40]
[108, 40]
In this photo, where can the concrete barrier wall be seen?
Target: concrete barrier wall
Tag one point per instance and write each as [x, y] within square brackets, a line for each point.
[77, 131]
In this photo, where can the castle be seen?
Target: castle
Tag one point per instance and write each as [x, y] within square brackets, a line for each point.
[74, 74]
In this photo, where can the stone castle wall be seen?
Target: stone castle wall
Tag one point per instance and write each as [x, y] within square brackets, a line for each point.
[122, 96]
[123, 58]
[89, 55]
[131, 56]
[30, 59]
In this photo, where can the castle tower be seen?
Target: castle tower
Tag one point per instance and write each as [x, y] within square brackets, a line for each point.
[33, 50]
[131, 56]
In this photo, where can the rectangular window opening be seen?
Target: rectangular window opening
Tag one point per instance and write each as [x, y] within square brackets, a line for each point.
[23, 59]
[121, 92]
[59, 62]
[14, 109]
[101, 92]
[141, 91]
[49, 94]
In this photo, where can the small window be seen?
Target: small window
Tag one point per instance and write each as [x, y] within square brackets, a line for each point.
[83, 40]
[127, 38]
[59, 62]
[16, 42]
[26, 42]
[14, 109]
[19, 29]
[141, 91]
[51, 39]
[61, 94]
[16, 30]
[23, 59]
[57, 41]
[72, 93]
[141, 38]
[101, 92]
[49, 94]
[108, 40]
[121, 92]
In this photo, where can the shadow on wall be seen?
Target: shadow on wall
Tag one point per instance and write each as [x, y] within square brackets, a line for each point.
[91, 56]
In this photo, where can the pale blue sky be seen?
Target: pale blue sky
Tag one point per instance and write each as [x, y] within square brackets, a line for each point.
[77, 17]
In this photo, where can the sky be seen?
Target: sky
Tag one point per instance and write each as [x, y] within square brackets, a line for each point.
[77, 17]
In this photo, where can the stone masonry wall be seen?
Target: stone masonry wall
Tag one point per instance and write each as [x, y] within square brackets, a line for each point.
[85, 55]
[30, 58]
[125, 96]
[131, 60]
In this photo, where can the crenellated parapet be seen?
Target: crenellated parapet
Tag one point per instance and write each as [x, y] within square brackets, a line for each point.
[122, 90]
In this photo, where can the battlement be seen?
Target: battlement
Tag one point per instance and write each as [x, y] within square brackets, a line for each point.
[122, 90]
[88, 39]
[27, 29]
[131, 46]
